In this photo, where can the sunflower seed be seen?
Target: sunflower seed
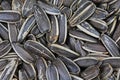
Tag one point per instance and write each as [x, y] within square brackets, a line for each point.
[106, 71]
[112, 77]
[94, 47]
[90, 73]
[27, 7]
[26, 27]
[3, 32]
[6, 5]
[8, 72]
[67, 11]
[88, 29]
[62, 70]
[39, 48]
[99, 24]
[58, 3]
[41, 66]
[118, 75]
[31, 37]
[5, 48]
[82, 13]
[9, 16]
[99, 56]
[52, 72]
[22, 75]
[62, 22]
[35, 31]
[41, 19]
[24, 55]
[76, 4]
[74, 77]
[59, 39]
[100, 14]
[86, 61]
[10, 56]
[12, 29]
[76, 45]
[17, 5]
[110, 45]
[68, 2]
[30, 70]
[52, 36]
[73, 68]
[61, 50]
[81, 36]
[49, 8]
[3, 63]
[112, 27]
[116, 33]
[113, 61]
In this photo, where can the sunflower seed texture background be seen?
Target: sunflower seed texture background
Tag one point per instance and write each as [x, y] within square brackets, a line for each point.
[59, 39]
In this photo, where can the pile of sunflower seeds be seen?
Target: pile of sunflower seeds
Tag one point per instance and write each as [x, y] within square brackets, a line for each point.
[59, 39]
